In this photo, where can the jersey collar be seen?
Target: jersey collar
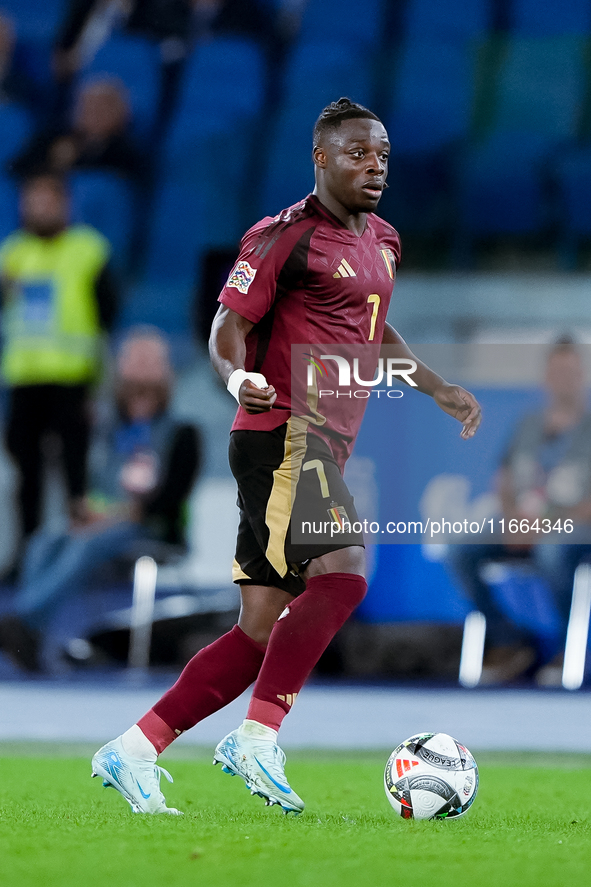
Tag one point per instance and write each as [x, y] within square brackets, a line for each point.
[324, 211]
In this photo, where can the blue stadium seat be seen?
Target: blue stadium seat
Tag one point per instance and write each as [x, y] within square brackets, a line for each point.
[500, 185]
[9, 215]
[164, 304]
[178, 233]
[105, 201]
[36, 20]
[526, 599]
[431, 95]
[431, 106]
[538, 101]
[541, 86]
[572, 175]
[16, 127]
[343, 20]
[549, 17]
[136, 62]
[459, 20]
[178, 237]
[36, 24]
[407, 588]
[318, 74]
[205, 159]
[219, 104]
[188, 218]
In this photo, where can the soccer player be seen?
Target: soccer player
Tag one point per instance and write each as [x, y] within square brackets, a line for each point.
[321, 271]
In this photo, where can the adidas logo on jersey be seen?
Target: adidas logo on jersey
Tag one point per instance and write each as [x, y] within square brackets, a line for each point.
[290, 698]
[344, 270]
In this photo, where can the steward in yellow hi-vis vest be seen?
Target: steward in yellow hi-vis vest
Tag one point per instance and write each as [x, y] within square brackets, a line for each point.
[58, 298]
[51, 321]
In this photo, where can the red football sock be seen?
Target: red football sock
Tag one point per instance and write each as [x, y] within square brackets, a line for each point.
[214, 677]
[154, 729]
[299, 639]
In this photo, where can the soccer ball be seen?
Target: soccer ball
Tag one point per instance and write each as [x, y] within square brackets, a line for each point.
[431, 776]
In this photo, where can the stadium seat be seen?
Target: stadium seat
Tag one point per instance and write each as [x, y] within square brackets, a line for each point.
[105, 201]
[136, 62]
[9, 215]
[525, 598]
[318, 74]
[16, 128]
[460, 20]
[36, 20]
[186, 221]
[220, 99]
[539, 94]
[188, 218]
[541, 86]
[36, 24]
[166, 305]
[500, 186]
[572, 176]
[205, 160]
[181, 232]
[178, 234]
[406, 587]
[431, 107]
[208, 148]
[344, 20]
[431, 95]
[548, 17]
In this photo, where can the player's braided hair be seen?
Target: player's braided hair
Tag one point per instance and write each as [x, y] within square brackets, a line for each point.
[333, 115]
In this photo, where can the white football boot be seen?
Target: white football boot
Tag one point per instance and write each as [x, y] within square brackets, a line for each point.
[260, 763]
[138, 781]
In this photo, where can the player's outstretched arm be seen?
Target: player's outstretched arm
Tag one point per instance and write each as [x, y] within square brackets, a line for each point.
[452, 399]
[227, 350]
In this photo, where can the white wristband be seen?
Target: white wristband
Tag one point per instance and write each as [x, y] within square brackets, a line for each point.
[237, 378]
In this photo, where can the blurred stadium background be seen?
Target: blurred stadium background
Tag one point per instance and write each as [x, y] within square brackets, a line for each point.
[488, 107]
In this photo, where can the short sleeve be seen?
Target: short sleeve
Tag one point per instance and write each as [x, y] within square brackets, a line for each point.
[251, 288]
[392, 240]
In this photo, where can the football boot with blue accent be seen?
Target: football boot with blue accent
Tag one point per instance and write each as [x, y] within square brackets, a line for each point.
[260, 763]
[138, 781]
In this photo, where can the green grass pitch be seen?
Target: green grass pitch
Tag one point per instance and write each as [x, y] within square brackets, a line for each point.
[530, 825]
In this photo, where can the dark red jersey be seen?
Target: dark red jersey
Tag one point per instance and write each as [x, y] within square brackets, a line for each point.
[303, 278]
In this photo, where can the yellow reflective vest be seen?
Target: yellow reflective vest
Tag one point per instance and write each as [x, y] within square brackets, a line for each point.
[51, 327]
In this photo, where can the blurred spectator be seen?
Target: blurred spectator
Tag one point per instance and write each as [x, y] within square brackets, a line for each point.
[545, 474]
[97, 139]
[238, 17]
[58, 297]
[166, 21]
[15, 83]
[173, 23]
[143, 466]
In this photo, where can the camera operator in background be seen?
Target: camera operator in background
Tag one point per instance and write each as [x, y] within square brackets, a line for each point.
[545, 473]
[143, 465]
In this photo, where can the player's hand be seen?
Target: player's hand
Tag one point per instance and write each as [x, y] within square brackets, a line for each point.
[463, 406]
[256, 400]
